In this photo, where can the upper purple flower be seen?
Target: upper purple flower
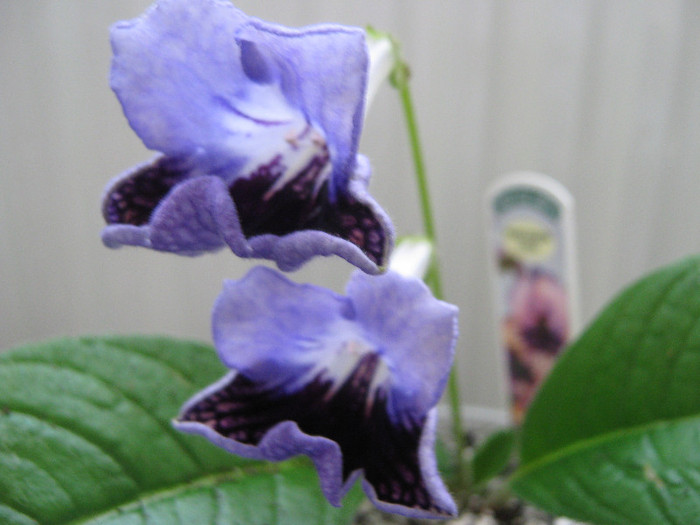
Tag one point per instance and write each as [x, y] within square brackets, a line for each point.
[257, 126]
[351, 381]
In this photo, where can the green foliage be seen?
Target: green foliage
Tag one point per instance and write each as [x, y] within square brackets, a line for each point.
[492, 456]
[614, 434]
[85, 437]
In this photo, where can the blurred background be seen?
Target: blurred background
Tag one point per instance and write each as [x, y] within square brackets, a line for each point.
[602, 96]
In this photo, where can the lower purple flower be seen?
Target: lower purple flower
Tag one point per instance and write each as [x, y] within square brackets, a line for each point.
[351, 381]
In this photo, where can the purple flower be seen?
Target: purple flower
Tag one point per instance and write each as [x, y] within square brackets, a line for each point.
[257, 128]
[351, 381]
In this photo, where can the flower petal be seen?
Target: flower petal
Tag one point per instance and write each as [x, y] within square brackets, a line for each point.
[165, 206]
[132, 197]
[161, 205]
[337, 58]
[269, 328]
[228, 400]
[354, 228]
[418, 337]
[178, 75]
[332, 428]
[305, 356]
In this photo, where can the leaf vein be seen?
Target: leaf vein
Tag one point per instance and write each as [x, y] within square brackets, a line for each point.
[614, 512]
[17, 513]
[168, 492]
[83, 434]
[633, 356]
[27, 511]
[169, 430]
[660, 494]
[182, 372]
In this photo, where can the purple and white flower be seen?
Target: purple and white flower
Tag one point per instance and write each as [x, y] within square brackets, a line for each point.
[257, 128]
[351, 381]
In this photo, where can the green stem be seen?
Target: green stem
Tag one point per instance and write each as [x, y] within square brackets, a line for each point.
[400, 80]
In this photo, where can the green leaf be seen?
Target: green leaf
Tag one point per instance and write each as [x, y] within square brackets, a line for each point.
[492, 456]
[613, 435]
[85, 437]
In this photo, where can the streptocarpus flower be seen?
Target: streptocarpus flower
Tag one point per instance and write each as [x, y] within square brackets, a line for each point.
[351, 381]
[257, 126]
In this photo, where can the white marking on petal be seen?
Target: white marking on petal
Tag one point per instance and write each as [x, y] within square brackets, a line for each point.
[260, 124]
[303, 148]
[381, 378]
[338, 357]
